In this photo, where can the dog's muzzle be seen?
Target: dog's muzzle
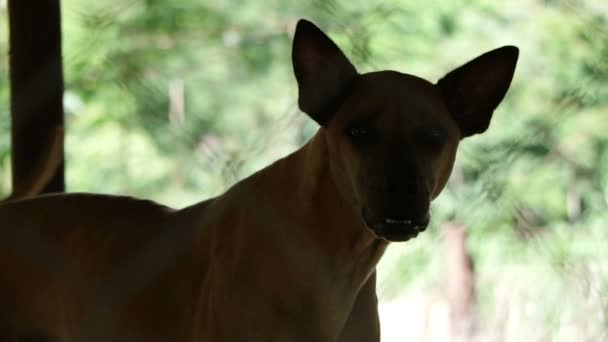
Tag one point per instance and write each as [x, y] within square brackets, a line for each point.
[395, 230]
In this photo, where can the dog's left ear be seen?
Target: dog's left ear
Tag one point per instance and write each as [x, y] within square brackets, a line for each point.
[322, 70]
[474, 90]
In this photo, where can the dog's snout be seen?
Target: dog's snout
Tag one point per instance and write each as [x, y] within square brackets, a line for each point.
[402, 188]
[411, 188]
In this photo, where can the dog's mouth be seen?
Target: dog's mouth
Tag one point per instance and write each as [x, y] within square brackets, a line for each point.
[397, 229]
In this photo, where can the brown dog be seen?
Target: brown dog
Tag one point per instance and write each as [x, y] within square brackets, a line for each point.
[288, 254]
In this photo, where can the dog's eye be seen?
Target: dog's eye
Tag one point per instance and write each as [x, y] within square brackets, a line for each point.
[359, 133]
[433, 138]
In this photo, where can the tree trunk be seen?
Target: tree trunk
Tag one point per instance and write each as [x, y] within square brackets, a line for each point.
[36, 81]
[460, 282]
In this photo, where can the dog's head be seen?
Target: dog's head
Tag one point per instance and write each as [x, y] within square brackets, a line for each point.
[392, 137]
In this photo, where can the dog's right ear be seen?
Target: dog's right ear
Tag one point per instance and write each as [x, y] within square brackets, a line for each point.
[323, 72]
[473, 91]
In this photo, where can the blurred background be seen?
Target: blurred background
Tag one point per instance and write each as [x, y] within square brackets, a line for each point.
[176, 100]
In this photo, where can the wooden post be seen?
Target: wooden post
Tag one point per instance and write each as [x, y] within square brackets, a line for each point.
[36, 80]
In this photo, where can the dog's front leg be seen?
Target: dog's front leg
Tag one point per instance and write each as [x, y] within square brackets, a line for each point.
[363, 323]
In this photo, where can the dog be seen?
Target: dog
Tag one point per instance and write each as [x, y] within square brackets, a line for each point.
[287, 254]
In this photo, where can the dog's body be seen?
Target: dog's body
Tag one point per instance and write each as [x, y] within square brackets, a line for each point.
[287, 254]
[252, 251]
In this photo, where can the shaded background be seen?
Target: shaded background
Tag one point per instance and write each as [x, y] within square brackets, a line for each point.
[177, 100]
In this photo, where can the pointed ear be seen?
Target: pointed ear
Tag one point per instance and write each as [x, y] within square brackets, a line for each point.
[474, 90]
[323, 72]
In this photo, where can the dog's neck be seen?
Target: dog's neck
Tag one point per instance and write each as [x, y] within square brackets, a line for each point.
[323, 215]
[343, 221]
[304, 236]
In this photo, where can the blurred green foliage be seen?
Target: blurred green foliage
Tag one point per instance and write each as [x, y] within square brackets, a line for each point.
[533, 190]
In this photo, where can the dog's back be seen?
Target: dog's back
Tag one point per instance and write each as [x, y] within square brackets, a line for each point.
[52, 247]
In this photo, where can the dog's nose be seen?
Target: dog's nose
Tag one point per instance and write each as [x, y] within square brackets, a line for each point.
[402, 188]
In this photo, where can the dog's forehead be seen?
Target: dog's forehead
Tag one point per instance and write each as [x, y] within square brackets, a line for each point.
[398, 88]
[391, 95]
